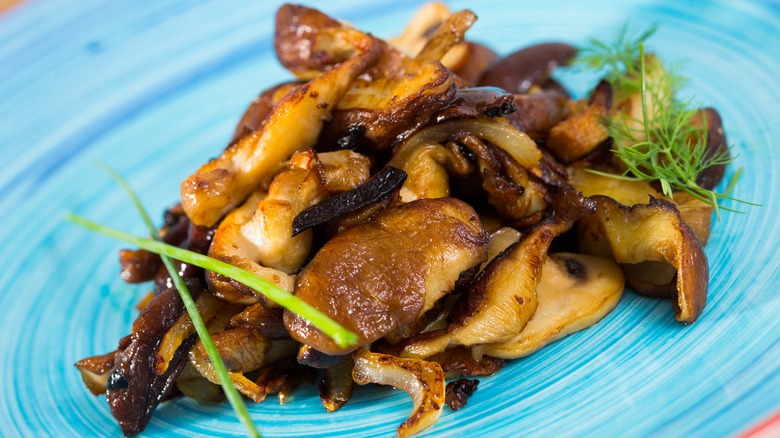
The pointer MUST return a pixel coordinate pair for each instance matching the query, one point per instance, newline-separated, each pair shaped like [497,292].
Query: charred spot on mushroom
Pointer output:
[457,393]
[575,269]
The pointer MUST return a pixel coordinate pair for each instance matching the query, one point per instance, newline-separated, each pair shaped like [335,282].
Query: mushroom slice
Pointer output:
[373,113]
[452,31]
[266,321]
[134,389]
[258,110]
[696,213]
[388,271]
[537,113]
[466,59]
[95,370]
[502,299]
[193,385]
[575,292]
[423,24]
[653,232]
[258,235]
[423,381]
[295,123]
[336,385]
[523,69]
[583,130]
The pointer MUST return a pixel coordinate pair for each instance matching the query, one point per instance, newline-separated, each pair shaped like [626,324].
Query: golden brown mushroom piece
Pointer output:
[695,213]
[583,130]
[258,235]
[653,232]
[373,113]
[501,301]
[575,292]
[423,381]
[466,59]
[293,124]
[387,272]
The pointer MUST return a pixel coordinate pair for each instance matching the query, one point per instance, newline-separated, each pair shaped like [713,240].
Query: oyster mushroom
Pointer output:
[583,130]
[373,113]
[293,124]
[695,213]
[466,59]
[523,69]
[653,232]
[575,291]
[258,235]
[501,301]
[388,271]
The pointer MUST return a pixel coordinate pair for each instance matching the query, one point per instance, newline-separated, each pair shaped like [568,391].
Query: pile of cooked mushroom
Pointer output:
[425,193]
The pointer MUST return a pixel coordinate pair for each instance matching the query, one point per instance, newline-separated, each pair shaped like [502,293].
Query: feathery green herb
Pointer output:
[664,144]
[618,59]
[232,394]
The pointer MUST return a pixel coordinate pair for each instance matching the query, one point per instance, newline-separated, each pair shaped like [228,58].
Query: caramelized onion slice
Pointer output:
[653,232]
[575,292]
[497,131]
[208,306]
[423,381]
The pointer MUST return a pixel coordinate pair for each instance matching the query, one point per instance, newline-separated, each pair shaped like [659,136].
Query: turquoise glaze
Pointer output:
[155,88]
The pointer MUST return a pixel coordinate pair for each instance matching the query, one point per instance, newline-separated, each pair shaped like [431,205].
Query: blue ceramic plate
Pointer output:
[155,88]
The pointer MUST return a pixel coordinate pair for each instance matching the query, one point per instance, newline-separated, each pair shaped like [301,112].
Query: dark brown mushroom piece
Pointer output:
[716,145]
[134,389]
[521,70]
[374,114]
[336,385]
[537,113]
[457,393]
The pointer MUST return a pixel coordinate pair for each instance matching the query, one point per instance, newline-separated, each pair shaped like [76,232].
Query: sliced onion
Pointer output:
[208,306]
[497,131]
[423,380]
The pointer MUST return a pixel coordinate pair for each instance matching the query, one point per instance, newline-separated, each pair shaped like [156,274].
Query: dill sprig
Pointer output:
[231,393]
[663,143]
[617,60]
